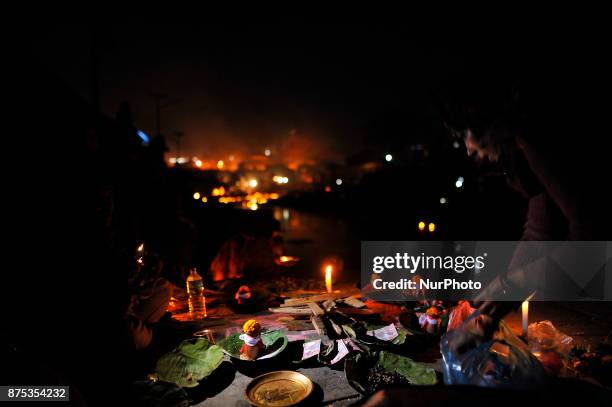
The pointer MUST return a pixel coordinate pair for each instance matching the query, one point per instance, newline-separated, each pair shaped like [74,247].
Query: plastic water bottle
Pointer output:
[195,291]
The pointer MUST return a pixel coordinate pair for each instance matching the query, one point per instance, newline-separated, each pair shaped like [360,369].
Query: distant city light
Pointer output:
[388,157]
[421,225]
[339,181]
[432,227]
[204,199]
[459,182]
[327,188]
[220,164]
[267,152]
[253,206]
[286,214]
[196,195]
[228,199]
[218,191]
[443,200]
[143,137]
[198,163]
[280,179]
[178,160]
[456,144]
[253,183]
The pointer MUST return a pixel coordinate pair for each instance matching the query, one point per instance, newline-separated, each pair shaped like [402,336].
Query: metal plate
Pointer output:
[278,389]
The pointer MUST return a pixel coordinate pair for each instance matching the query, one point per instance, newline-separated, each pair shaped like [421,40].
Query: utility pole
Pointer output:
[95,90]
[178,135]
[158,97]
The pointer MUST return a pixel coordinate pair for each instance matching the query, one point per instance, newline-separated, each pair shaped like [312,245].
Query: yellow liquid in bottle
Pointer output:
[195,291]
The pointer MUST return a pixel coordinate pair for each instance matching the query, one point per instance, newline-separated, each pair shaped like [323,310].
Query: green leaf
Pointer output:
[231,344]
[398,340]
[189,363]
[350,332]
[269,337]
[401,336]
[414,372]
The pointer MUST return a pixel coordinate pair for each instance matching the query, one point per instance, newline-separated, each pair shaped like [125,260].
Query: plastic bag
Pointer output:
[504,362]
[459,314]
[543,336]
[550,346]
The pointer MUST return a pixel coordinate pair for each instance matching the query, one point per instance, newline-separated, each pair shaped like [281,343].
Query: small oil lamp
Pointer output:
[286,260]
[243,294]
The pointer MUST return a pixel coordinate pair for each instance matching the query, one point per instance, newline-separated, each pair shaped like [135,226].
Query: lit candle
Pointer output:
[140,254]
[525,312]
[328,278]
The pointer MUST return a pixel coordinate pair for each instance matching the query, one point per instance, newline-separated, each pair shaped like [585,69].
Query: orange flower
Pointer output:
[251,327]
[433,312]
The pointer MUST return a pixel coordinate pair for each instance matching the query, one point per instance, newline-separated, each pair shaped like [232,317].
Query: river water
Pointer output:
[314,238]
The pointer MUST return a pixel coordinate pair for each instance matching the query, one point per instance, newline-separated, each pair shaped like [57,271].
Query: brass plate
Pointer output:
[278,389]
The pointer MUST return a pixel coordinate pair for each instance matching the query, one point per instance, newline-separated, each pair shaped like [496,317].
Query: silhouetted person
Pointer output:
[531,132]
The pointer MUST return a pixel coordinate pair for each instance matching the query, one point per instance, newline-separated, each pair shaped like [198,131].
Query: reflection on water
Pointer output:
[313,238]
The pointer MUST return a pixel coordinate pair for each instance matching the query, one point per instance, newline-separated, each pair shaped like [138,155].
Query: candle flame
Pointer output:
[525,318]
[328,278]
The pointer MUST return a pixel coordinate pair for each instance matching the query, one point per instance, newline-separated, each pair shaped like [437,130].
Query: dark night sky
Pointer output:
[236,89]
[241,88]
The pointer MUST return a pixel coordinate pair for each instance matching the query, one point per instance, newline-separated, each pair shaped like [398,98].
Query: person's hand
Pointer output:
[484,327]
[471,335]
